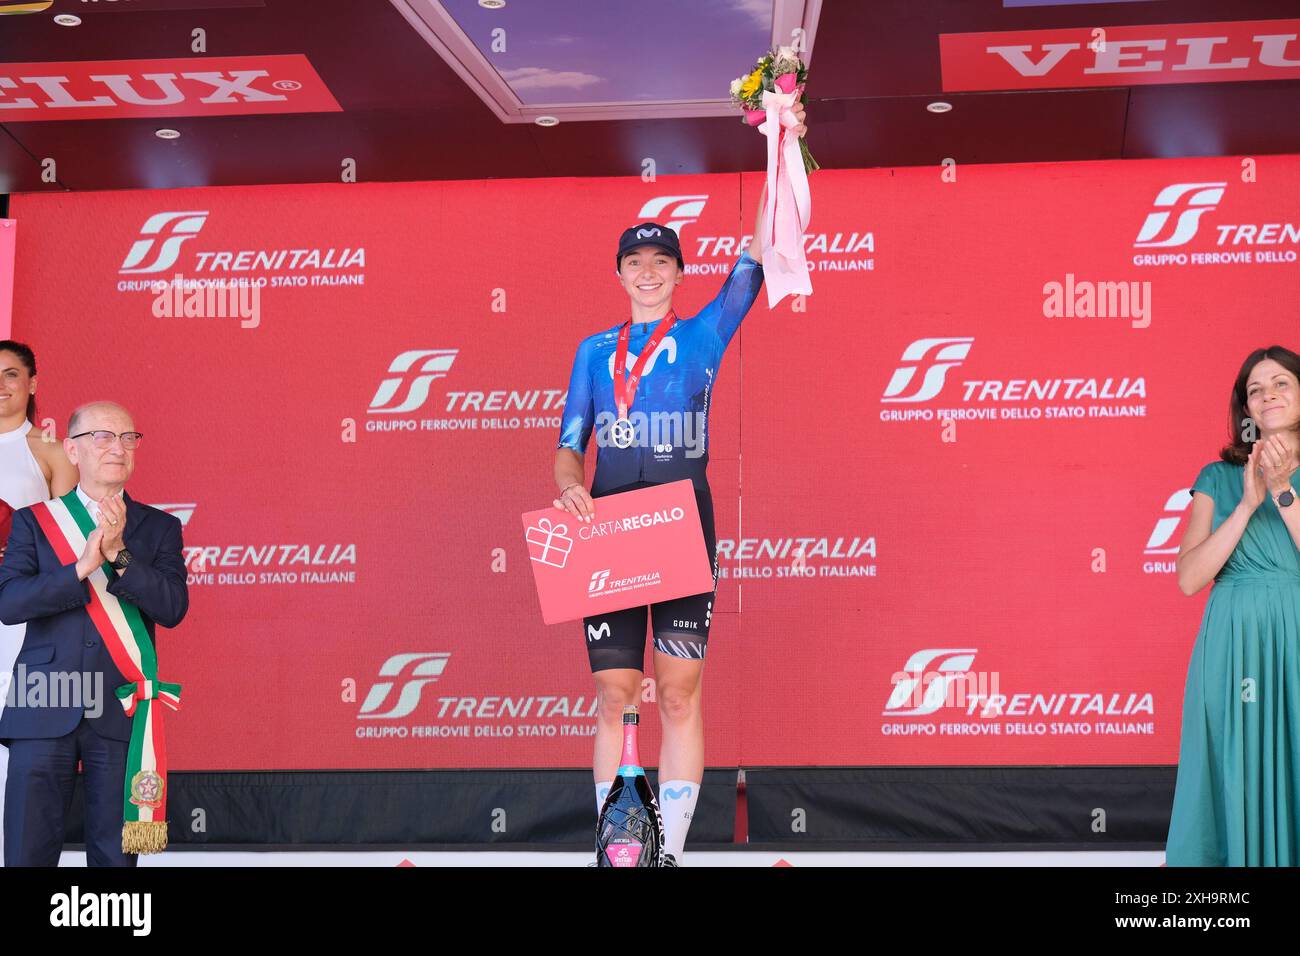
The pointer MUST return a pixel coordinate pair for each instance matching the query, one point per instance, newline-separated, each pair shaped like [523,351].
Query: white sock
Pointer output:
[602,791]
[676,804]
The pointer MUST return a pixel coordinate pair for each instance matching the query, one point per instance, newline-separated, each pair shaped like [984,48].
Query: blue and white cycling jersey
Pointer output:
[671,408]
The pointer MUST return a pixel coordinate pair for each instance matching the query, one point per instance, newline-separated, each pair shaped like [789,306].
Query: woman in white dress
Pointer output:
[32,469]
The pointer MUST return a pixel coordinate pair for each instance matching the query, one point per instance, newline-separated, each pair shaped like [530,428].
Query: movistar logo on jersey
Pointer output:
[666,347]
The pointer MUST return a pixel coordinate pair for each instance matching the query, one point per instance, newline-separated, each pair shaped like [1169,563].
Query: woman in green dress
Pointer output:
[1237,799]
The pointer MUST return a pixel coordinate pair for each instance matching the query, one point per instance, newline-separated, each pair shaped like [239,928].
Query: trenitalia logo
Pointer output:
[182,511]
[679,210]
[1175,221]
[412,672]
[936,356]
[169,230]
[1162,535]
[937,679]
[925,682]
[932,358]
[407,389]
[158,248]
[416,370]
[1185,204]
[1121,55]
[182,86]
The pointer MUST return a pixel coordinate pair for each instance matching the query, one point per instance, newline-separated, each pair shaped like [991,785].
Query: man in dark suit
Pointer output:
[63,648]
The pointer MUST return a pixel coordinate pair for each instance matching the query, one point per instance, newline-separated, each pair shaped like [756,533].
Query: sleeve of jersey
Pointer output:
[579,406]
[735,297]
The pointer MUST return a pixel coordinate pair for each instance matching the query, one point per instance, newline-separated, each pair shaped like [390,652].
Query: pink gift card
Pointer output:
[641,547]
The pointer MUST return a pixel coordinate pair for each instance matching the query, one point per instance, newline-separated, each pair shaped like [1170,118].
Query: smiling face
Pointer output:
[1273,397]
[16,384]
[102,466]
[649,274]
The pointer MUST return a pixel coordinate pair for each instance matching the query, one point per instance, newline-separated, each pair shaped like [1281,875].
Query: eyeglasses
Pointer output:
[104,439]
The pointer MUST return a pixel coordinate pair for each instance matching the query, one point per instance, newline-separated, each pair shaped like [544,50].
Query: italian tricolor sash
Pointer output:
[67,524]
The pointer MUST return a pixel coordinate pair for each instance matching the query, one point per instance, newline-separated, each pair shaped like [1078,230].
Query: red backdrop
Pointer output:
[362,597]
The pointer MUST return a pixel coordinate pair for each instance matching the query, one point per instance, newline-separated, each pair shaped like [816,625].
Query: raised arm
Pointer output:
[734,299]
[755,249]
[1202,554]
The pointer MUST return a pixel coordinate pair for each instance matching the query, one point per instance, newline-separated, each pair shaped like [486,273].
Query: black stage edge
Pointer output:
[553,809]
[887,808]
[896,808]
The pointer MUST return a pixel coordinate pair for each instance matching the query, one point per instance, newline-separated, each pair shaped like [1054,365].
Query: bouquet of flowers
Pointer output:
[780,72]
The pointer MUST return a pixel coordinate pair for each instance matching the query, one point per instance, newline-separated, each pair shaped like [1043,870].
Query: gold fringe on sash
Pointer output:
[144,837]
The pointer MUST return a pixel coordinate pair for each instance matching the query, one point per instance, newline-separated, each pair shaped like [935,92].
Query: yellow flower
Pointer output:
[753,83]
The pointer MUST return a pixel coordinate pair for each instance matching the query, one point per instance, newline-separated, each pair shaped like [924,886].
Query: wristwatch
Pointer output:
[1285,499]
[123,559]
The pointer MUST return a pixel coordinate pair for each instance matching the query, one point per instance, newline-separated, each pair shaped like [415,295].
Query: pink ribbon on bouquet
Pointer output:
[789,203]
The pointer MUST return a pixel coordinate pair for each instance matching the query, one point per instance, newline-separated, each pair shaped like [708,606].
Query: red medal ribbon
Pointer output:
[625,387]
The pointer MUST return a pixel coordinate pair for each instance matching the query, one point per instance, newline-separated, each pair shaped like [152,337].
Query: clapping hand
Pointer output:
[1278,461]
[112,522]
[92,556]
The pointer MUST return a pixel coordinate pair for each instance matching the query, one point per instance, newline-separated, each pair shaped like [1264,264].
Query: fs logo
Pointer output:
[1163,533]
[170,229]
[678,210]
[948,353]
[415,670]
[598,581]
[432,364]
[666,346]
[1190,201]
[953,662]
[184,511]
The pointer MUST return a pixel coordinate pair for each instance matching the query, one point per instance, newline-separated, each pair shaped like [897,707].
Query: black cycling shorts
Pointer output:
[680,626]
